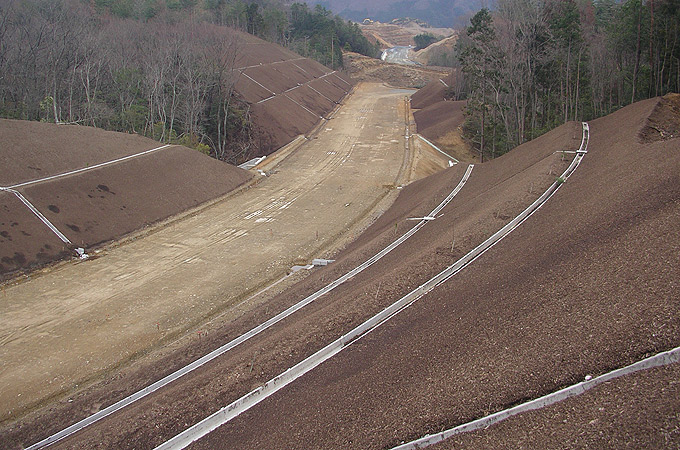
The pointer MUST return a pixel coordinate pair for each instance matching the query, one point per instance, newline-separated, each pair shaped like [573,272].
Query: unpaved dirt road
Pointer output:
[78,321]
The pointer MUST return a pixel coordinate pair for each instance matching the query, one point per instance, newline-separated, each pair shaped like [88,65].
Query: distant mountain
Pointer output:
[438,13]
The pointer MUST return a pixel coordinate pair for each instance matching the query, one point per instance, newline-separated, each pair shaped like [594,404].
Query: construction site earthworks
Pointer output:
[360,287]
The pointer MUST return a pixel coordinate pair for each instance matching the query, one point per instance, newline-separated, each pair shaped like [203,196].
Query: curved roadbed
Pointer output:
[251,399]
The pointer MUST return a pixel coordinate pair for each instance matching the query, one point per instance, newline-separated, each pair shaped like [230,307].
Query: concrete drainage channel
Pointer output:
[253,332]
[662,359]
[224,415]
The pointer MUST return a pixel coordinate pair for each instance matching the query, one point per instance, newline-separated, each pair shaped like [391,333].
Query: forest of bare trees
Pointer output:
[161,68]
[531,65]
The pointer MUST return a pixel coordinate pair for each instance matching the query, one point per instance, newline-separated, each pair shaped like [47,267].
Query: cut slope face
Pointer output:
[664,122]
[122,183]
[433,92]
[288,94]
[440,120]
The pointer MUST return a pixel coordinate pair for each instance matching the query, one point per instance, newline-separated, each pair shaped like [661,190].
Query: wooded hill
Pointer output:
[531,66]
[161,68]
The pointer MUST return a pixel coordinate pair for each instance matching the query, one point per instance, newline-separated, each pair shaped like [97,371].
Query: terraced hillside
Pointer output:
[88,186]
[288,94]
[440,120]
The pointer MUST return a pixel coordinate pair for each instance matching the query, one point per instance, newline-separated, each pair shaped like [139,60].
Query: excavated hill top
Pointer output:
[391,35]
[447,44]
[664,122]
[96,204]
[363,68]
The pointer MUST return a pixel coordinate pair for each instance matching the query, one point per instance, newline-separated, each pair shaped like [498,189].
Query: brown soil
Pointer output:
[80,323]
[441,122]
[664,122]
[432,93]
[288,94]
[99,205]
[587,284]
[390,35]
[362,68]
[623,413]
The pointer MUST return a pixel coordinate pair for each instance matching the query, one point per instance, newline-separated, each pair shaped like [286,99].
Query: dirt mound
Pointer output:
[441,124]
[362,68]
[433,92]
[664,122]
[101,202]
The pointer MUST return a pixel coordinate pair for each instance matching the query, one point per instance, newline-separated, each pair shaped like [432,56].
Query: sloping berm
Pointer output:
[121,183]
[440,120]
[288,94]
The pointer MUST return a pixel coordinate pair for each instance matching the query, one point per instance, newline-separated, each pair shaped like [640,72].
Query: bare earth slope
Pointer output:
[589,283]
[439,120]
[98,204]
[288,94]
[432,93]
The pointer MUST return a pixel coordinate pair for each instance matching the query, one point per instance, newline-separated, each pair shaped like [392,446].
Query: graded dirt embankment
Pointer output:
[440,120]
[288,94]
[82,321]
[101,202]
